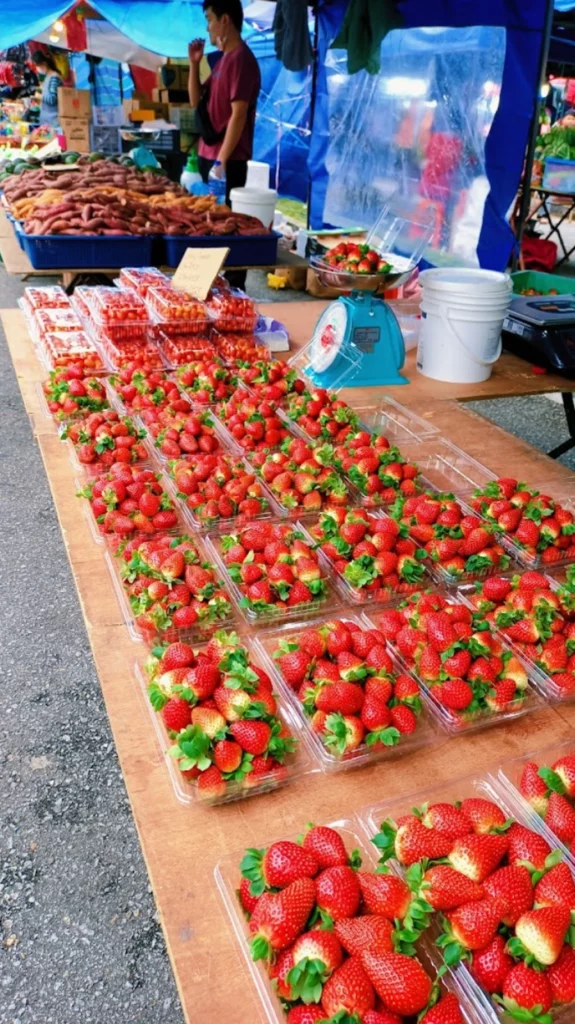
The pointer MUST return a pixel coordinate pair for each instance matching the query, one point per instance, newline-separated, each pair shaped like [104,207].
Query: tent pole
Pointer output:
[533,135]
[312,100]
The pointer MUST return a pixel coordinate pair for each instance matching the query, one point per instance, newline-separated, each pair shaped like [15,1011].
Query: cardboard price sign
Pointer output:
[198,270]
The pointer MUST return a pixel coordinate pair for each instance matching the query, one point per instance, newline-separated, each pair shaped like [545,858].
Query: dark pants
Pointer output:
[236,176]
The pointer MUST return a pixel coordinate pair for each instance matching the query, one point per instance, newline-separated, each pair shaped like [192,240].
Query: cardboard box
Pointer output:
[74,103]
[77,133]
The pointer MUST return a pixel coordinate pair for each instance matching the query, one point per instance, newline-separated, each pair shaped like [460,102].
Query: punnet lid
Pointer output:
[466,279]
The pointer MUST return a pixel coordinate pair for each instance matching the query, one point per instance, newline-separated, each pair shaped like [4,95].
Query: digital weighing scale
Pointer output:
[541,329]
[357,339]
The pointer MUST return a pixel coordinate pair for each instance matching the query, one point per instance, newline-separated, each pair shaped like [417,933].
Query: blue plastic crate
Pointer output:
[245,251]
[559,175]
[95,252]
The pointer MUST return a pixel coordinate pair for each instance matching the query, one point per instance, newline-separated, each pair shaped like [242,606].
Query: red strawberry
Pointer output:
[476,856]
[326,846]
[177,655]
[525,989]
[542,932]
[446,1011]
[280,917]
[447,819]
[211,784]
[491,965]
[316,955]
[556,888]
[369,932]
[399,981]
[527,847]
[483,815]
[305,1015]
[533,788]
[337,892]
[281,864]
[177,714]
[560,818]
[247,900]
[411,842]
[346,698]
[474,925]
[293,663]
[454,694]
[561,976]
[446,889]
[496,588]
[440,631]
[513,886]
[386,895]
[348,990]
[403,719]
[253,736]
[381,1017]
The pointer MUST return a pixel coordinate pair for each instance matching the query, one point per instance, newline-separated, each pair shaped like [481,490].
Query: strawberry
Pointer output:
[278,866]
[177,714]
[526,989]
[369,932]
[447,819]
[252,736]
[305,1015]
[338,892]
[411,842]
[178,655]
[348,991]
[455,694]
[541,932]
[496,588]
[342,733]
[326,846]
[446,889]
[345,698]
[247,900]
[472,926]
[316,955]
[293,662]
[527,847]
[556,888]
[483,815]
[565,769]
[403,719]
[400,981]
[279,918]
[385,895]
[560,818]
[514,887]
[476,856]
[381,1017]
[533,788]
[211,784]
[445,1011]
[491,965]
[561,976]
[440,631]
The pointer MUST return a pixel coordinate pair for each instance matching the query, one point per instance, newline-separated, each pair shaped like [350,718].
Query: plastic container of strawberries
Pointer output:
[317,605]
[177,313]
[143,350]
[202,630]
[225,442]
[91,469]
[114,540]
[141,279]
[298,764]
[52,297]
[450,720]
[489,787]
[57,319]
[542,680]
[228,877]
[183,348]
[428,732]
[350,495]
[120,312]
[231,311]
[219,524]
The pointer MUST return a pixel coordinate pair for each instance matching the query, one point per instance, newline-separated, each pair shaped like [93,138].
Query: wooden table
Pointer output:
[16,261]
[181,844]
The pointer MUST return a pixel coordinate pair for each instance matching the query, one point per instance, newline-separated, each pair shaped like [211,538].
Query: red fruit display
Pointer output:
[238,349]
[298,482]
[219,487]
[179,434]
[231,311]
[206,381]
[457,544]
[254,424]
[460,660]
[102,438]
[128,500]
[270,379]
[184,348]
[170,589]
[228,737]
[537,523]
[139,390]
[550,789]
[372,559]
[273,567]
[374,466]
[346,683]
[71,393]
[322,415]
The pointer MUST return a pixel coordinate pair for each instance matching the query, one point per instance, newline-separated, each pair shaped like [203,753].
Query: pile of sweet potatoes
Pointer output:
[102,172]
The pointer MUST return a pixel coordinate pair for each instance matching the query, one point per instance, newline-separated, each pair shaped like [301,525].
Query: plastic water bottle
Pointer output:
[217,185]
[190,175]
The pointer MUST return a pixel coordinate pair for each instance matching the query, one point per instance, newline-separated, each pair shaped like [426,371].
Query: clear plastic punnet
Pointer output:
[57,319]
[244,347]
[322,354]
[306,588]
[488,706]
[297,763]
[66,348]
[393,420]
[142,351]
[121,312]
[445,467]
[335,747]
[183,348]
[53,297]
[141,279]
[232,311]
[176,312]
[101,523]
[503,806]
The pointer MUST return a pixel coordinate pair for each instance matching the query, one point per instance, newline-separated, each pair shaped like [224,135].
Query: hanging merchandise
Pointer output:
[365,26]
[292,42]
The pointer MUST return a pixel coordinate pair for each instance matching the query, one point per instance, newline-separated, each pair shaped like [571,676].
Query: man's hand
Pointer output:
[219,170]
[196,51]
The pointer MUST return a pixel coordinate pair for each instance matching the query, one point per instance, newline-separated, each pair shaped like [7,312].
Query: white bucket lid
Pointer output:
[254,195]
[458,280]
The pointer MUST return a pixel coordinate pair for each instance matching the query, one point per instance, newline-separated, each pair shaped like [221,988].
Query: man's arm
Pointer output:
[236,125]
[195,54]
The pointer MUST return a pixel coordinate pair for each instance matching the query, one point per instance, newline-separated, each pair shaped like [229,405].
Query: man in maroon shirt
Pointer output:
[234,85]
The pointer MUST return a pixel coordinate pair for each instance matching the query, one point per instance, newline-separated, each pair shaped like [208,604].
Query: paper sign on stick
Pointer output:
[198,270]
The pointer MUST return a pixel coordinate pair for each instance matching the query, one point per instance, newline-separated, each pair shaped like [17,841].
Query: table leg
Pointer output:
[555,229]
[569,408]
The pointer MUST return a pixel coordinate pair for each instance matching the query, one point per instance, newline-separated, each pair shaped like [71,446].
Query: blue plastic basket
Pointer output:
[68,252]
[245,251]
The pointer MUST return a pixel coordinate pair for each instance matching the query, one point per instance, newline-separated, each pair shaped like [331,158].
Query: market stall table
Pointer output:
[182,844]
[541,197]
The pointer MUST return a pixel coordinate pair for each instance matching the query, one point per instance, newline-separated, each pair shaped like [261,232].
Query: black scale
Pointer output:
[541,329]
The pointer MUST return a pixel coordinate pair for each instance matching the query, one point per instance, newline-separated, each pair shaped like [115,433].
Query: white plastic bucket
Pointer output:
[257,202]
[462,313]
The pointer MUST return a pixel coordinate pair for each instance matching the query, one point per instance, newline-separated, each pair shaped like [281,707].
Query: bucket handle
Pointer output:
[474,358]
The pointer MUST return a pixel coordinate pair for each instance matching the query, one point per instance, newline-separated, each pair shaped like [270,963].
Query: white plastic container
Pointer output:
[256,202]
[258,174]
[462,313]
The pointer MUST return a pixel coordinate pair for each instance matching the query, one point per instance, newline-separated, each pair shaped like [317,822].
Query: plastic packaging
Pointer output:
[264,611]
[141,350]
[141,279]
[445,467]
[454,721]
[177,313]
[393,420]
[206,381]
[427,731]
[302,487]
[220,617]
[57,319]
[297,764]
[215,469]
[232,311]
[244,347]
[63,348]
[539,514]
[113,539]
[183,348]
[53,297]
[120,312]
[202,425]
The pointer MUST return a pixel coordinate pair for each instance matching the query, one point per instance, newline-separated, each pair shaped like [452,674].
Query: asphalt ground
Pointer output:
[79,934]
